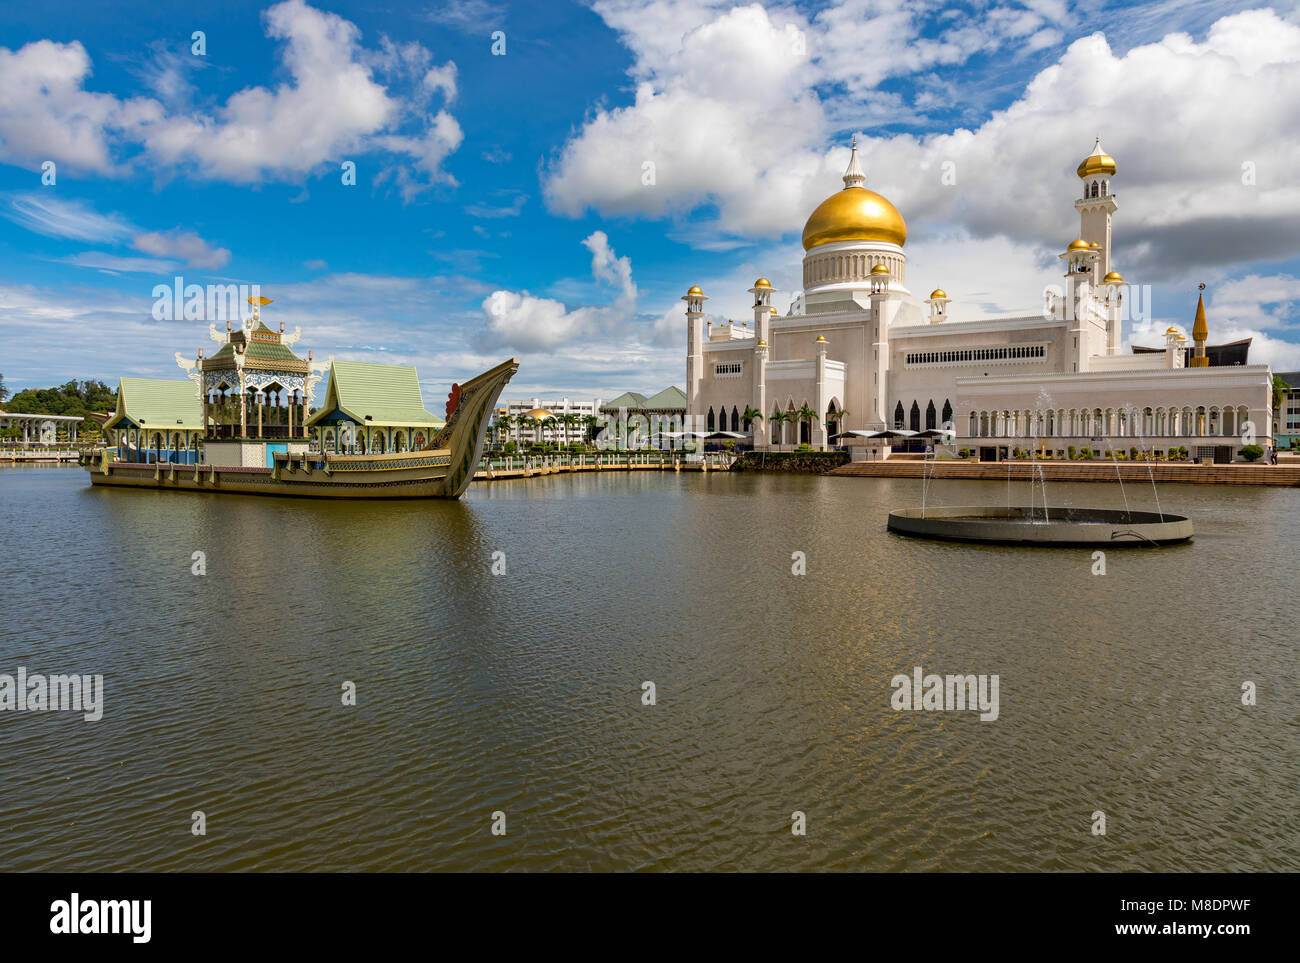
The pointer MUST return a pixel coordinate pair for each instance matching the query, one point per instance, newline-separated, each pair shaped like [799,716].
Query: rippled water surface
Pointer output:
[521,692]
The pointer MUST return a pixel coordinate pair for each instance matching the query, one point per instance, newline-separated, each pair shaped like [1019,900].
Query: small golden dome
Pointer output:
[537,414]
[854,214]
[695,290]
[1094,244]
[1078,244]
[1098,162]
[1114,277]
[822,338]
[880,269]
[1171,330]
[938,293]
[774,309]
[762,343]
[1182,338]
[762,283]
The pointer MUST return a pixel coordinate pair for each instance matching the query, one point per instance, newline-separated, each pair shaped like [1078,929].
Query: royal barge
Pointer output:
[243,423]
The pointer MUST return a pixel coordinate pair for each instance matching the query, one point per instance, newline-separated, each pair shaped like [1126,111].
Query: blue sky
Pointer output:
[501,204]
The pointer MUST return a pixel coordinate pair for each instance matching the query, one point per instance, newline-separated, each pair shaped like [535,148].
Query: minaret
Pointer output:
[1112,299]
[1200,331]
[938,301]
[694,299]
[883,309]
[1097,203]
[762,292]
[1080,258]
[818,437]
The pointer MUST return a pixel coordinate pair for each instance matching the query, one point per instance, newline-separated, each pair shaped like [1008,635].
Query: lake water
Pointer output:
[521,692]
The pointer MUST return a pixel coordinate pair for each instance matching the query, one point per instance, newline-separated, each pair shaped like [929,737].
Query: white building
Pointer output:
[856,340]
[530,419]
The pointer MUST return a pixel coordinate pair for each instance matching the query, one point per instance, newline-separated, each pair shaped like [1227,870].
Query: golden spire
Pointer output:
[1200,331]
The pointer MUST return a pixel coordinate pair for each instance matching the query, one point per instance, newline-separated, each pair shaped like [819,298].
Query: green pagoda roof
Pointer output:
[628,399]
[158,403]
[389,394]
[265,350]
[671,397]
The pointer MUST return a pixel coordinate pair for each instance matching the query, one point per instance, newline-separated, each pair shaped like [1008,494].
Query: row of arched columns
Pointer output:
[147,445]
[1199,421]
[373,441]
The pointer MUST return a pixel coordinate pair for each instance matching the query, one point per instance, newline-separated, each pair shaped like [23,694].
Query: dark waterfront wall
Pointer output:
[804,462]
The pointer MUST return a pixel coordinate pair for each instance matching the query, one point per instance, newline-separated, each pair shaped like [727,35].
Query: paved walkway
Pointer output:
[1099,471]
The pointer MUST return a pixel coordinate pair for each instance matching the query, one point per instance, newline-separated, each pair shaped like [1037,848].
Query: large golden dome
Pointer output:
[854,214]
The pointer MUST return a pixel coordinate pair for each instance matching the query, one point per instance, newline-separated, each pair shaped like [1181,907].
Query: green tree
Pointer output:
[1280,389]
[806,415]
[503,425]
[779,420]
[750,415]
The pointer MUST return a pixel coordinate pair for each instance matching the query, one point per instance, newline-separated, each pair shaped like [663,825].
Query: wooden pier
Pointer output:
[501,468]
[38,456]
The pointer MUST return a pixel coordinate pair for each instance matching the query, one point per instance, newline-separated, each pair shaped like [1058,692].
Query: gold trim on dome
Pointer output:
[854,214]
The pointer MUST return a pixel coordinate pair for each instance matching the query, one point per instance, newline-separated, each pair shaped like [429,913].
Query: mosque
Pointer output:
[857,353]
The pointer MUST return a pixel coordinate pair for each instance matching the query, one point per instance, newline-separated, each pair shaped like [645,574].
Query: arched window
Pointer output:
[915,421]
[711,422]
[974,424]
[735,419]
[898,415]
[931,416]
[947,412]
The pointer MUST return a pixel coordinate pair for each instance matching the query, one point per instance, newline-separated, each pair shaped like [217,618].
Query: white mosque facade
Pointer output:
[857,341]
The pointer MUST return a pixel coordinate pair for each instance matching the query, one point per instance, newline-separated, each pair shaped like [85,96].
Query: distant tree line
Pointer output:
[74,398]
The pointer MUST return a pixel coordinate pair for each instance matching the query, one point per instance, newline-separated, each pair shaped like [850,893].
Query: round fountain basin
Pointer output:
[1031,526]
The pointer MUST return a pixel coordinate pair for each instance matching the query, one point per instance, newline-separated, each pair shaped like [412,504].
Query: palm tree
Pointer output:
[750,415]
[504,424]
[570,421]
[778,421]
[806,415]
[589,423]
[836,417]
[1280,389]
